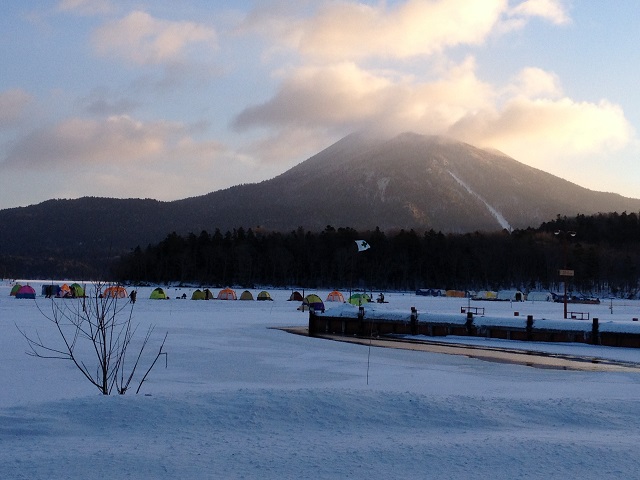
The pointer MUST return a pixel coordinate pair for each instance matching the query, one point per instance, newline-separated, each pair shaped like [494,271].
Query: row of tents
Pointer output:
[51,290]
[230,294]
[224,294]
[308,301]
[504,295]
[75,290]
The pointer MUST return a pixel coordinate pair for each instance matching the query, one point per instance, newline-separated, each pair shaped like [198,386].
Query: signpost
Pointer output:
[565,272]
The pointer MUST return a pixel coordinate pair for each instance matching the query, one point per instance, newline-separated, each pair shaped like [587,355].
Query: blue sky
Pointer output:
[152,100]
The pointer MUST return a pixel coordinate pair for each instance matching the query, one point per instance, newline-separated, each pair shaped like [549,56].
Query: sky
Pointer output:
[153,99]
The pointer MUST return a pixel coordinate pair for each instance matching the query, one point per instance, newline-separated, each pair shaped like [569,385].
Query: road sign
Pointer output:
[566,273]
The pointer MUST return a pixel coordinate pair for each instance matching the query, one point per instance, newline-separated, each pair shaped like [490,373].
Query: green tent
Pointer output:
[158,294]
[246,295]
[208,294]
[198,295]
[15,289]
[77,290]
[359,299]
[264,295]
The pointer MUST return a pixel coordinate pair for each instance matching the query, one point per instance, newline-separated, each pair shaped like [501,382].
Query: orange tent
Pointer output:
[335,296]
[65,291]
[227,294]
[115,292]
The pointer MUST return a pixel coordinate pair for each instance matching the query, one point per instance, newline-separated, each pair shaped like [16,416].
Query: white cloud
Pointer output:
[551,10]
[13,104]
[86,7]
[543,132]
[119,156]
[352,30]
[532,82]
[530,118]
[336,94]
[345,95]
[143,39]
[81,141]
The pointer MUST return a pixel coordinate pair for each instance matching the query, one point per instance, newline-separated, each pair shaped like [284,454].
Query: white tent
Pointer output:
[513,295]
[540,296]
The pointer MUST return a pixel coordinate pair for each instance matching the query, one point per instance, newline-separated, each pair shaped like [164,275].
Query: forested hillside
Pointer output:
[605,254]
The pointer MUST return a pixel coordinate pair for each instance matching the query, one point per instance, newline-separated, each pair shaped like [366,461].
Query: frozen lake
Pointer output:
[240,399]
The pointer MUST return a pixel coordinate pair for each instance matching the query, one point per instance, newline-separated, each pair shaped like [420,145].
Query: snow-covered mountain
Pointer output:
[363,181]
[408,181]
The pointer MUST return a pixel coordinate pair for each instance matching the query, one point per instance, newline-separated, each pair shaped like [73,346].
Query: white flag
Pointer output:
[362,245]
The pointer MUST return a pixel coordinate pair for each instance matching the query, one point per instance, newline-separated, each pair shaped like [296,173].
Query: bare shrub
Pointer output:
[95,333]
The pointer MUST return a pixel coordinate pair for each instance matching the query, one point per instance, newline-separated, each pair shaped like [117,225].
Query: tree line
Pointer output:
[604,254]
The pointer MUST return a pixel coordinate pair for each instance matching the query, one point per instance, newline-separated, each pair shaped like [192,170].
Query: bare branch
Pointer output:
[154,362]
[101,323]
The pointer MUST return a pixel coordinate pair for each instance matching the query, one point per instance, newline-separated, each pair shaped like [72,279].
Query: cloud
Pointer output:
[542,132]
[13,105]
[145,40]
[82,141]
[122,157]
[287,146]
[551,10]
[529,118]
[340,93]
[86,7]
[352,30]
[533,82]
[101,102]
[345,95]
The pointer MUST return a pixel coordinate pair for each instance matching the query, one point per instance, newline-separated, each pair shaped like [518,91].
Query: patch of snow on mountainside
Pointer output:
[497,215]
[382,186]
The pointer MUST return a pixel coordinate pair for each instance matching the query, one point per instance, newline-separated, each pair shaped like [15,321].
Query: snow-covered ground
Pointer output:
[240,399]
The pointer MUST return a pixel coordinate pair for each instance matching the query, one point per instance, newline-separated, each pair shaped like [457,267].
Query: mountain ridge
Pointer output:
[363,181]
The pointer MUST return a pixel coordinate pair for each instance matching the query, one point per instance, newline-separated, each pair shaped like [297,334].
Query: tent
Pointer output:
[64,291]
[208,294]
[296,297]
[26,292]
[15,289]
[312,301]
[540,296]
[513,295]
[264,295]
[335,296]
[50,290]
[246,295]
[158,294]
[77,290]
[455,293]
[115,292]
[486,295]
[227,294]
[198,295]
[359,299]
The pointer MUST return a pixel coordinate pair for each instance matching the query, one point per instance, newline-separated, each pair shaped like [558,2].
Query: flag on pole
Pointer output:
[362,245]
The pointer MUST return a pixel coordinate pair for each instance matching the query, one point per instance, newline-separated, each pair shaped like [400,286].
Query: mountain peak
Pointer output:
[363,181]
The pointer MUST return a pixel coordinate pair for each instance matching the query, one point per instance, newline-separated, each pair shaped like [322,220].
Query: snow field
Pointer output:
[240,399]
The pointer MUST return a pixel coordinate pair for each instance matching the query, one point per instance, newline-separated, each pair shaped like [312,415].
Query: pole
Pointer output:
[564,248]
[563,235]
[565,297]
